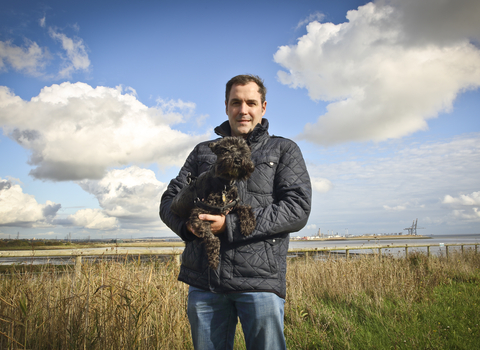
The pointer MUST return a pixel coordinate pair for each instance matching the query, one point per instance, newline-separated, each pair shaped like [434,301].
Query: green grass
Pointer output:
[449,321]
[415,303]
[365,303]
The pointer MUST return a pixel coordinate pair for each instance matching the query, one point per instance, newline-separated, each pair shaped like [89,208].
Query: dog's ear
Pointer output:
[213,146]
[218,147]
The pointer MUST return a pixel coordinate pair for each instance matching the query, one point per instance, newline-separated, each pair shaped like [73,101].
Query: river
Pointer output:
[439,240]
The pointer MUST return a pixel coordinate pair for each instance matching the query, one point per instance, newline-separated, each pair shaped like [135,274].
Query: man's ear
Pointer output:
[226,107]
[264,107]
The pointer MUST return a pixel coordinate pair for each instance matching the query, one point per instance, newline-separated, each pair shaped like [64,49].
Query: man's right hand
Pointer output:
[218,223]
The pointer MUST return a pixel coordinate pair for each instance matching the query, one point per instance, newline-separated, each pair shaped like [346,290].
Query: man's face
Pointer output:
[244,108]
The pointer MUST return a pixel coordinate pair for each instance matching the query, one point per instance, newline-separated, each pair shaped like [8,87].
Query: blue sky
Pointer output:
[100,103]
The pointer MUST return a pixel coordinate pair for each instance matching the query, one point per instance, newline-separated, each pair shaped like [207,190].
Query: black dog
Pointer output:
[215,192]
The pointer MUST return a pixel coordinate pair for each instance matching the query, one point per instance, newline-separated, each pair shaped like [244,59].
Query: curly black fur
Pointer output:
[214,190]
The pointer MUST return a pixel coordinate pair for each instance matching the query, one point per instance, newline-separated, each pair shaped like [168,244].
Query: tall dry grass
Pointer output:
[110,305]
[133,305]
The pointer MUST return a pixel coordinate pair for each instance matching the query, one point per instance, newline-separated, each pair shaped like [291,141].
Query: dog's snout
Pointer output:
[237,161]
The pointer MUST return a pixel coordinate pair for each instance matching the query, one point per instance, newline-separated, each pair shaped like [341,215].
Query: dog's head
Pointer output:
[233,158]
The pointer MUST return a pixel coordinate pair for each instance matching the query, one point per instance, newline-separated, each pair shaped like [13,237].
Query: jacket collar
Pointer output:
[259,132]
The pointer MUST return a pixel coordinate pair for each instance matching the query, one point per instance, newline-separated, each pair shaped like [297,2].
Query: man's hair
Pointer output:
[244,80]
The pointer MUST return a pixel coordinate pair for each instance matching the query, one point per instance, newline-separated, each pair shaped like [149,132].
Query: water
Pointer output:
[91,254]
[340,244]
[430,240]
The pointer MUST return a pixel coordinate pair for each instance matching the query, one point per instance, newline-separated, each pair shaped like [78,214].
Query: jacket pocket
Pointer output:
[263,177]
[256,259]
[194,256]
[270,249]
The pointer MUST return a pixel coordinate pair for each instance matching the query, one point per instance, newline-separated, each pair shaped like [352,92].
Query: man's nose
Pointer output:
[244,108]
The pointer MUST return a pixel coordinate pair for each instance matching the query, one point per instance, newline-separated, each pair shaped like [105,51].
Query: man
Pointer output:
[249,282]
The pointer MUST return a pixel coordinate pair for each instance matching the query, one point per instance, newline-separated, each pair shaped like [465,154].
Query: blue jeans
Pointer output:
[213,319]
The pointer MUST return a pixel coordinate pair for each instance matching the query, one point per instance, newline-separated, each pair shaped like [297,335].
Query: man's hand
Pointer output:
[218,224]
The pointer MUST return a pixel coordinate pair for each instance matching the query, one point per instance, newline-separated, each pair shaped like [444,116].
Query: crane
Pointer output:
[413,229]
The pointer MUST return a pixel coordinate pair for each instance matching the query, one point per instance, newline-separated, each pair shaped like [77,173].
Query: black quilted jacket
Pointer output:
[279,192]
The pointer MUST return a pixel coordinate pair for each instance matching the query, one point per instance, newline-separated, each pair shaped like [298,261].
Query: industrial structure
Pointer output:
[413,229]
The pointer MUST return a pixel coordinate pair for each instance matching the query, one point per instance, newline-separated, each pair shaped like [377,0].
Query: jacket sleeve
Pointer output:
[291,206]
[174,222]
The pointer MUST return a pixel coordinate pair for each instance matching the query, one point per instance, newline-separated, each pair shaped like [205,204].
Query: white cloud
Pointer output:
[317,16]
[132,195]
[389,187]
[443,22]
[465,206]
[76,54]
[382,78]
[129,200]
[176,111]
[30,59]
[21,209]
[321,185]
[470,215]
[75,131]
[94,219]
[396,208]
[463,199]
[50,233]
[200,121]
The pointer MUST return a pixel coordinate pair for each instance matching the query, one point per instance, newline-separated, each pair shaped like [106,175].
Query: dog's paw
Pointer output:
[212,247]
[247,220]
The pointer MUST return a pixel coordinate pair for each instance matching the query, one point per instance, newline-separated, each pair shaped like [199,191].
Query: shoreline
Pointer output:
[364,237]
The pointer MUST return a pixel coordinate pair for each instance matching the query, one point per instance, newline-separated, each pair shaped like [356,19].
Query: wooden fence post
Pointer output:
[428,251]
[78,265]
[347,253]
[178,259]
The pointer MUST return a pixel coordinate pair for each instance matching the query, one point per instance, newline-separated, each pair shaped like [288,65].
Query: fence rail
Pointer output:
[378,248]
[77,254]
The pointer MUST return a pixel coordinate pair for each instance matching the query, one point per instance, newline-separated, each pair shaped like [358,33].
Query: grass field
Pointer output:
[365,303]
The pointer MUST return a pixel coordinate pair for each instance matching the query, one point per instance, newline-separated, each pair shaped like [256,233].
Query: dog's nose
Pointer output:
[237,162]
